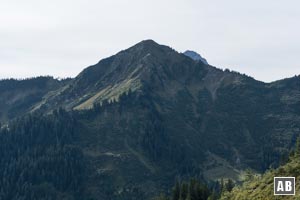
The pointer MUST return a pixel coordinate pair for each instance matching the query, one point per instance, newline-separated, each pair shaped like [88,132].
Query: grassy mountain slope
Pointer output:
[262,187]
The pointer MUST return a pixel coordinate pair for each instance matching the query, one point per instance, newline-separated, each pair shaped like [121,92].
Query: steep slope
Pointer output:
[146,63]
[262,186]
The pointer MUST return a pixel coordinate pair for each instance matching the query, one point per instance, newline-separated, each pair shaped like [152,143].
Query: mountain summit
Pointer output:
[195,56]
[145,65]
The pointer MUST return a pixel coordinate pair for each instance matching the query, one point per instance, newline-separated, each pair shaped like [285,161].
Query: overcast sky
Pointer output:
[61,37]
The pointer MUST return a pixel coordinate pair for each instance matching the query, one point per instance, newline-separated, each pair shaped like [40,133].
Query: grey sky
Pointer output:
[61,37]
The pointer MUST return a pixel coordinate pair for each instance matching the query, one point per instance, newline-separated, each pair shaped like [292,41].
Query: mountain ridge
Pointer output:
[151,113]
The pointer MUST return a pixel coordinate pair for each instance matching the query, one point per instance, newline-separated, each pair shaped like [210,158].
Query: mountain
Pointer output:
[149,114]
[17,97]
[195,56]
[146,64]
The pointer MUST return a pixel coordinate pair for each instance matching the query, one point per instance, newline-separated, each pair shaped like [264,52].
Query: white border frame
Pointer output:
[285,194]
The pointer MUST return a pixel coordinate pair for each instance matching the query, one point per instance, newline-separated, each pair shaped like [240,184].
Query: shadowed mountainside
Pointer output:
[149,114]
[18,97]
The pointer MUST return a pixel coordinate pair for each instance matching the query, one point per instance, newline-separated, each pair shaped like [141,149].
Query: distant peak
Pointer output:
[195,56]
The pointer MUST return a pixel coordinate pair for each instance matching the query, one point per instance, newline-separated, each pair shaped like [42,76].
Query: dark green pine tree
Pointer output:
[176,191]
[183,191]
[222,185]
[229,185]
[192,195]
[161,197]
[297,150]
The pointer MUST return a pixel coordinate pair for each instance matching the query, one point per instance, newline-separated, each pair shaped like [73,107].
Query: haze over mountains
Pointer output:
[150,114]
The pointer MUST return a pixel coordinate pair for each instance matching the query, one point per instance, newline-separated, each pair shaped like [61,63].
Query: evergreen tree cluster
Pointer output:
[196,190]
[193,190]
[38,160]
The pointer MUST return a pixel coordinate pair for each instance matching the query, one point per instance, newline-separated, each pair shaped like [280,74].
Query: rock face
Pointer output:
[149,114]
[195,56]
